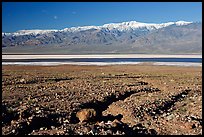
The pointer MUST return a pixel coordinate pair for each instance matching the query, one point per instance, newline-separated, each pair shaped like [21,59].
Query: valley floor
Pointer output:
[128,99]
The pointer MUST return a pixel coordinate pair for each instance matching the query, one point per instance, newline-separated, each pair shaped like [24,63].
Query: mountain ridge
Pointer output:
[130,24]
[125,37]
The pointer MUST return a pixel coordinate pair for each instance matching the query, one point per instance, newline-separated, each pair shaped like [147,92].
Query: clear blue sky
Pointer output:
[59,15]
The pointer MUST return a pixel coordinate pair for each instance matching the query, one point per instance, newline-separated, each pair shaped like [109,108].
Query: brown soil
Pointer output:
[128,100]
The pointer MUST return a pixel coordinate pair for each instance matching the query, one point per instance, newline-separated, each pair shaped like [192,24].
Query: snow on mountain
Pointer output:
[127,26]
[138,25]
[124,26]
[29,32]
[74,29]
[180,23]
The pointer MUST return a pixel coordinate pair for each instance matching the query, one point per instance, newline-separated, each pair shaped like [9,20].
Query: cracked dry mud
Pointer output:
[128,100]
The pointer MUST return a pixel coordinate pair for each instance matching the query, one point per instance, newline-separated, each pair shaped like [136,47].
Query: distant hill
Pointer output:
[127,37]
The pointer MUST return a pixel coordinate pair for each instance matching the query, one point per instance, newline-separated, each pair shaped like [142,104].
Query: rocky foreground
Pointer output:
[101,100]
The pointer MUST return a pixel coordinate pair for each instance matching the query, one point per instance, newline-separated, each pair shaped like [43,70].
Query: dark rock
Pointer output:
[193,126]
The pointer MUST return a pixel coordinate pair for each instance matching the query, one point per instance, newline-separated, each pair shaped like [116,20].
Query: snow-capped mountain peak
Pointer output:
[136,25]
[29,32]
[124,26]
[182,23]
[34,32]
[127,26]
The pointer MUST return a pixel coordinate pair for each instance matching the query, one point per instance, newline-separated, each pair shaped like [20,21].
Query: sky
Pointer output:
[59,15]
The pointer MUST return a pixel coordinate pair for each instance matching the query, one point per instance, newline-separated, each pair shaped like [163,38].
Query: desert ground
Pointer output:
[101,100]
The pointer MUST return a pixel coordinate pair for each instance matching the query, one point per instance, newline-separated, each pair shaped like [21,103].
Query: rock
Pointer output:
[109,122]
[164,115]
[110,132]
[87,129]
[22,80]
[37,108]
[66,121]
[28,123]
[170,117]
[86,114]
[30,118]
[117,133]
[13,131]
[193,126]
[102,124]
[13,122]
[116,123]
[152,132]
[177,116]
[41,128]
[39,111]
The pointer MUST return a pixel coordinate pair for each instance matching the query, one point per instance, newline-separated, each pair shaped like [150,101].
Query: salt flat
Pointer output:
[98,56]
[103,63]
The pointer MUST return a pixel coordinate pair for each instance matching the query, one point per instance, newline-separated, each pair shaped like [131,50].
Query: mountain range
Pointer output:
[179,37]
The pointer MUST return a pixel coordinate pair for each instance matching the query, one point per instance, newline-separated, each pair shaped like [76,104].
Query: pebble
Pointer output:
[41,128]
[109,132]
[183,95]
[177,116]
[102,124]
[164,115]
[116,123]
[87,129]
[22,80]
[13,131]
[91,132]
[13,122]
[66,121]
[153,112]
[193,126]
[37,108]
[39,111]
[109,122]
[117,133]
[170,117]
[30,118]
[28,122]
